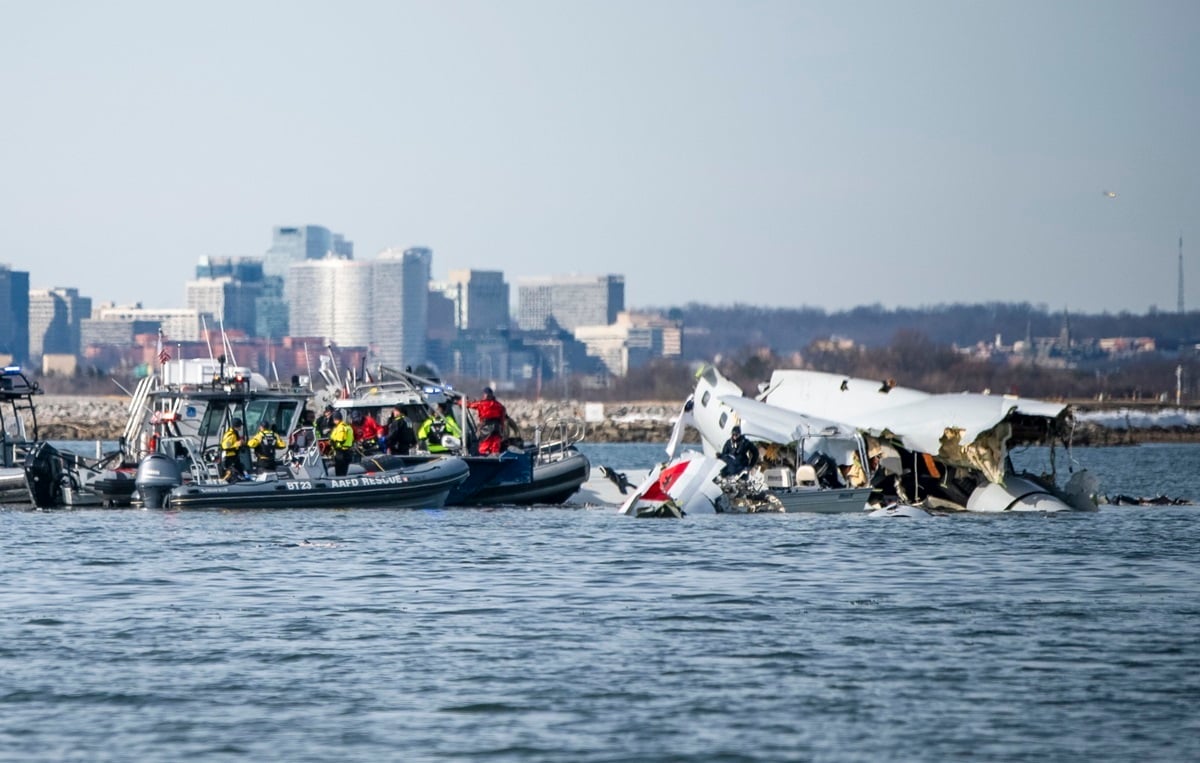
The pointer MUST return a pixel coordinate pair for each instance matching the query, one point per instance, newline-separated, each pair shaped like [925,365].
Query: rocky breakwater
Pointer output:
[81,417]
[605,422]
[65,417]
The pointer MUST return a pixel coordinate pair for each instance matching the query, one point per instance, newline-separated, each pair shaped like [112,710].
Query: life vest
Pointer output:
[268,441]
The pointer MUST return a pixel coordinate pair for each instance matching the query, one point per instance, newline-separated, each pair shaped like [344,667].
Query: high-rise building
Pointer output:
[291,244]
[631,341]
[179,324]
[296,243]
[14,315]
[381,303]
[569,301]
[247,269]
[225,302]
[55,316]
[401,305]
[331,298]
[480,297]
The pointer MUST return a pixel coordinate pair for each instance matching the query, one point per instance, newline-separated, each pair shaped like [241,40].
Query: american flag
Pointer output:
[163,355]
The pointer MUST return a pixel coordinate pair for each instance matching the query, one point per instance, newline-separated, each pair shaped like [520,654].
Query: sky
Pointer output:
[784,154]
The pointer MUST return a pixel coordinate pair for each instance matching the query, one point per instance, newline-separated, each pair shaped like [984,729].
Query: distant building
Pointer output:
[400,306]
[569,301]
[178,324]
[55,318]
[291,244]
[440,318]
[382,303]
[331,298]
[631,341]
[14,315]
[480,297]
[246,269]
[109,331]
[225,301]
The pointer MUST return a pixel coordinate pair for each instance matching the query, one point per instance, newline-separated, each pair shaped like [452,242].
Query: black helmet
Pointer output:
[487,392]
[237,422]
[735,430]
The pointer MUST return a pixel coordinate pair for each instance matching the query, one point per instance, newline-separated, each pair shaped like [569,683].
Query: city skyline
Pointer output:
[915,154]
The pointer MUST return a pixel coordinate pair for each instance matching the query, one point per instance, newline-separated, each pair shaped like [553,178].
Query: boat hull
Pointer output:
[550,483]
[12,486]
[822,500]
[512,478]
[421,486]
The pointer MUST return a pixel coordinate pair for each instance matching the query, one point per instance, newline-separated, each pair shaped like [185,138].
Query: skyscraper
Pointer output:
[481,299]
[14,314]
[296,243]
[291,244]
[570,300]
[55,316]
[331,298]
[401,305]
[381,303]
[227,289]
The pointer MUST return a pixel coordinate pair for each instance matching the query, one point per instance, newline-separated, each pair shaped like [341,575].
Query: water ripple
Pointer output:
[568,634]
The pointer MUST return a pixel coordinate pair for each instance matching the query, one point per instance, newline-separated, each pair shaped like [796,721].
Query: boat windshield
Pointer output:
[281,415]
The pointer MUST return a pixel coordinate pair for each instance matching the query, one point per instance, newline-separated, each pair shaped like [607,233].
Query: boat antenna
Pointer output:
[308,366]
[227,345]
[207,337]
[337,374]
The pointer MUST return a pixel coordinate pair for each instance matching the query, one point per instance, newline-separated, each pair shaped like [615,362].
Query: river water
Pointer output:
[573,634]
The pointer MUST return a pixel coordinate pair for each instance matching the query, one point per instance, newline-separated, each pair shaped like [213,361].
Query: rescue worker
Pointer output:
[400,436]
[264,445]
[342,441]
[434,428]
[492,419]
[324,423]
[305,434]
[367,432]
[739,454]
[232,443]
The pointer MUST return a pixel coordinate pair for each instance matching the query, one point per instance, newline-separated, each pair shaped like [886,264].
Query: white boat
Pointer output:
[182,410]
[18,432]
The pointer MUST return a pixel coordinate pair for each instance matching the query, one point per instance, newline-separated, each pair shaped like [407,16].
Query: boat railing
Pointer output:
[309,464]
[187,452]
[555,438]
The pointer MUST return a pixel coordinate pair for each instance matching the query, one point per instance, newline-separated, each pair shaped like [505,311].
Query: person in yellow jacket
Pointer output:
[232,444]
[434,428]
[264,445]
[342,440]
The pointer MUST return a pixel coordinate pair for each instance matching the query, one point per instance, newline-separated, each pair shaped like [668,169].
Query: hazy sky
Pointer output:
[830,154]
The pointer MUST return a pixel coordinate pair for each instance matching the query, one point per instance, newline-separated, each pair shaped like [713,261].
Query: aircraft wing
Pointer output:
[918,419]
[763,421]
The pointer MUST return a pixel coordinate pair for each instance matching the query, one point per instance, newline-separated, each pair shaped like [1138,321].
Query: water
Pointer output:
[571,634]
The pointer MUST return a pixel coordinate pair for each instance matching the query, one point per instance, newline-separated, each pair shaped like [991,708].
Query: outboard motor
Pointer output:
[157,474]
[44,475]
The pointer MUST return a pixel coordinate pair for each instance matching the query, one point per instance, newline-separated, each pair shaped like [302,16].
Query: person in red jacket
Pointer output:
[492,419]
[367,431]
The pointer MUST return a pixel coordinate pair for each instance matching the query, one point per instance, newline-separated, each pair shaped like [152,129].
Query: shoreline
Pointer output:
[102,417]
